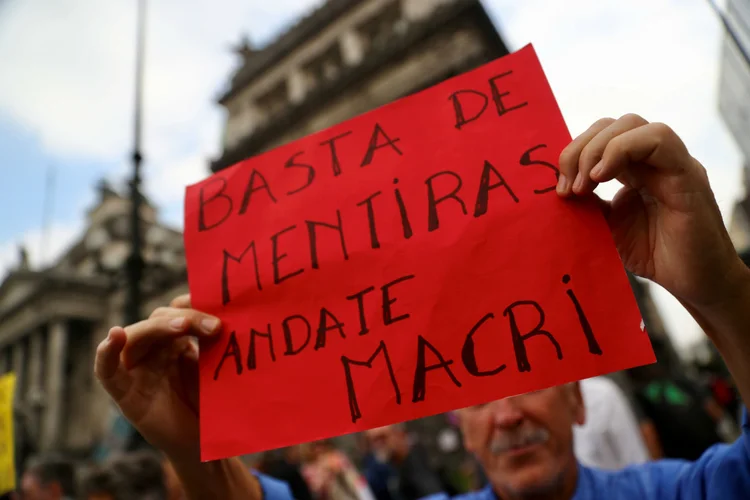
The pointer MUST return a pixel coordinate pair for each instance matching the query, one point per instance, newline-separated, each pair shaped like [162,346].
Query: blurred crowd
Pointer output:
[659,415]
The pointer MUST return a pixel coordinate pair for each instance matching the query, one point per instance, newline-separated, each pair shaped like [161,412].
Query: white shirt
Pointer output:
[610,437]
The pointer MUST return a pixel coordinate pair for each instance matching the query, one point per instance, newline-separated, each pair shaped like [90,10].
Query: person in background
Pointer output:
[24,446]
[98,483]
[412,476]
[610,437]
[131,476]
[666,226]
[143,473]
[331,476]
[686,418]
[48,477]
[285,466]
[378,473]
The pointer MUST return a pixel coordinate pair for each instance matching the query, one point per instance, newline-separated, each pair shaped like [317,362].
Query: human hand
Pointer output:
[150,369]
[664,220]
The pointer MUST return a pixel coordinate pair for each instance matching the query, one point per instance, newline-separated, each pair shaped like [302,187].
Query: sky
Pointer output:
[67,83]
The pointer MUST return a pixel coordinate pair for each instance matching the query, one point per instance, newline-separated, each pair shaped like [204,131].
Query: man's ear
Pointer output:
[577,403]
[462,424]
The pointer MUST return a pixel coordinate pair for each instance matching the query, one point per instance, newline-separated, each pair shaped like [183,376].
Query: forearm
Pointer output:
[228,479]
[727,324]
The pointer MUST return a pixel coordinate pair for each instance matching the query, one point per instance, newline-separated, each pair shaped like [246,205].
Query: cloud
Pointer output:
[72,83]
[69,67]
[43,247]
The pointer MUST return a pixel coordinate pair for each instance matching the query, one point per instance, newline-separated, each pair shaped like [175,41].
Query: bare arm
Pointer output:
[727,324]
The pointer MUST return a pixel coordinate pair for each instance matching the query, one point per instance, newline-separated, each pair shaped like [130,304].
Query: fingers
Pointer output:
[592,153]
[181,302]
[609,147]
[654,144]
[571,154]
[166,325]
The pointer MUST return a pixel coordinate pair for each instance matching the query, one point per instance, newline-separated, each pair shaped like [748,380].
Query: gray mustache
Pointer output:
[518,439]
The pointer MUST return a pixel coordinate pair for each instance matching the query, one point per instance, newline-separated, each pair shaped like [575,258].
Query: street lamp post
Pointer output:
[135,262]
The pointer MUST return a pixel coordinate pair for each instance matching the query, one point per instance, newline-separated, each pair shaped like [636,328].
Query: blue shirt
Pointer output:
[722,473]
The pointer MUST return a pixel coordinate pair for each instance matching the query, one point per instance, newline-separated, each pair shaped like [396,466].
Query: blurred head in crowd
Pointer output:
[98,483]
[293,454]
[389,443]
[648,373]
[48,478]
[140,475]
[317,449]
[525,443]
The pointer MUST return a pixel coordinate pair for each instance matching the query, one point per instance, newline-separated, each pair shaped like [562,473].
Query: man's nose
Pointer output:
[507,413]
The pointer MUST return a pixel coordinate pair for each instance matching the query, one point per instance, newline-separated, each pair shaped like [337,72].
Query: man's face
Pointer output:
[387,442]
[380,442]
[525,443]
[33,489]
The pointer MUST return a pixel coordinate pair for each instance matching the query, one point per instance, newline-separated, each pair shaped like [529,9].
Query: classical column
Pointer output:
[352,46]
[57,350]
[19,365]
[35,389]
[297,84]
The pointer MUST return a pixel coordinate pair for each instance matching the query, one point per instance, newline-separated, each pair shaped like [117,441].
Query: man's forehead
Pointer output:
[564,388]
[378,431]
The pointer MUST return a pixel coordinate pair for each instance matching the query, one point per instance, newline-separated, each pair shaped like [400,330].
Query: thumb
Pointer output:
[107,365]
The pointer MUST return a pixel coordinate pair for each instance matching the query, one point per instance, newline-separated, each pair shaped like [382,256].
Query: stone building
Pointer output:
[52,319]
[345,58]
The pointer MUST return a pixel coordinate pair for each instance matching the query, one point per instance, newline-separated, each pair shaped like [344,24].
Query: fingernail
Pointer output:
[208,325]
[578,184]
[563,184]
[597,168]
[177,324]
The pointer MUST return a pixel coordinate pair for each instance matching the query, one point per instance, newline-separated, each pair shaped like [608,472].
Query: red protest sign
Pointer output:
[407,262]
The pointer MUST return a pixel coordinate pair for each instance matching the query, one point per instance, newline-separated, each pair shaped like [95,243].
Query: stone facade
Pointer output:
[51,321]
[347,58]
